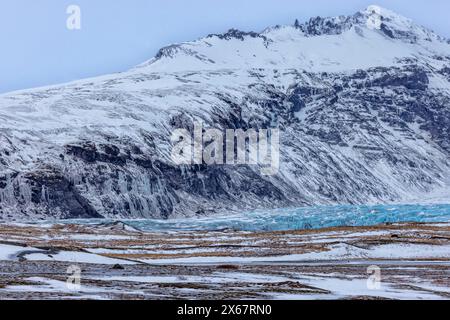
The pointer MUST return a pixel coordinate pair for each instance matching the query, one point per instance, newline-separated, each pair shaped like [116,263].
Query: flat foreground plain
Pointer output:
[117,261]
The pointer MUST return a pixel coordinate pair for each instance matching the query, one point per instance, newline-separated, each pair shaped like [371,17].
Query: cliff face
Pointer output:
[364,115]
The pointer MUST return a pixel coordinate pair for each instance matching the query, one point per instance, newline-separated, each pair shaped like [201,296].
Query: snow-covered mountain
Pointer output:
[362,102]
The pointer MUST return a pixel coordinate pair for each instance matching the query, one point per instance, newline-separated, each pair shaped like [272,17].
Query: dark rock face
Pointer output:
[320,26]
[88,152]
[237,34]
[51,189]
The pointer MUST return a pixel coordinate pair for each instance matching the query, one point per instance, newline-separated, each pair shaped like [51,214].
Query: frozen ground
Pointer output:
[118,261]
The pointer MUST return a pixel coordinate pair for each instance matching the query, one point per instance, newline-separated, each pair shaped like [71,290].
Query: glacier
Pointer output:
[289,219]
[364,116]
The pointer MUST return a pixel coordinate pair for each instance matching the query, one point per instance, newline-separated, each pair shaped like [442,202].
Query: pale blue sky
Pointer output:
[37,49]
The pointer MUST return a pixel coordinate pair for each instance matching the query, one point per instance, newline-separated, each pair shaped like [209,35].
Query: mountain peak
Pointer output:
[376,9]
[381,36]
[374,17]
[374,12]
[395,25]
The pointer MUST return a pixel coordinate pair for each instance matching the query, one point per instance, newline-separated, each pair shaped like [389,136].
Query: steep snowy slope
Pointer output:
[364,111]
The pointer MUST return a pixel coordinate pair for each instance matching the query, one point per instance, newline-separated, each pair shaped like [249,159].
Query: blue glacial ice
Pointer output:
[300,218]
